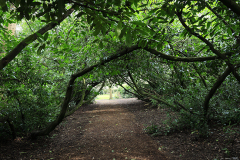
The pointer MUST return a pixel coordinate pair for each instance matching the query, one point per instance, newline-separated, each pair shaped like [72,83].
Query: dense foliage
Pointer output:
[181,55]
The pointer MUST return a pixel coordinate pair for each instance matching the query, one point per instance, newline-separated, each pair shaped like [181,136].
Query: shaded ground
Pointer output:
[104,131]
[114,129]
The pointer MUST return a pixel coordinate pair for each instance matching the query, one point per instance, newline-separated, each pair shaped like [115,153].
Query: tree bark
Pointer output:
[216,85]
[110,93]
[184,59]
[81,101]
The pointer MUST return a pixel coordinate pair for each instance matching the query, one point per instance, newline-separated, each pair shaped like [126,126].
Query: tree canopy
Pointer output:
[182,55]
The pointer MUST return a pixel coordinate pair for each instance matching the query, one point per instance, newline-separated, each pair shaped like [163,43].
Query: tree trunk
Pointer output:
[216,85]
[110,93]
[12,128]
[81,101]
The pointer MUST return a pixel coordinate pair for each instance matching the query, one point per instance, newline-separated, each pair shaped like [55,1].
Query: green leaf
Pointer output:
[96,40]
[184,33]
[39,50]
[129,38]
[45,36]
[43,46]
[171,21]
[39,35]
[163,31]
[159,46]
[212,32]
[208,25]
[118,29]
[89,19]
[138,23]
[103,30]
[80,14]
[143,5]
[39,39]
[203,21]
[101,45]
[37,44]
[123,32]
[142,43]
[135,3]
[96,32]
[229,31]
[143,32]
[147,17]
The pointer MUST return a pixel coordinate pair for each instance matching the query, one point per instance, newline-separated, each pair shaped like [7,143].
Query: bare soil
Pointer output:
[114,129]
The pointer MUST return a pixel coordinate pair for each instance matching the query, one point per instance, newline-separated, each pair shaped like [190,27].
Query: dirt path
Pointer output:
[107,130]
[114,133]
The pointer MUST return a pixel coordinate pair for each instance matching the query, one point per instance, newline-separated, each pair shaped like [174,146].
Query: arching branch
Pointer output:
[183,59]
[69,90]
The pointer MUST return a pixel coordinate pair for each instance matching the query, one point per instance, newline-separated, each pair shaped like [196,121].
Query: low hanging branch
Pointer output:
[118,83]
[184,59]
[128,90]
[144,93]
[69,90]
[179,104]
[156,97]
[128,83]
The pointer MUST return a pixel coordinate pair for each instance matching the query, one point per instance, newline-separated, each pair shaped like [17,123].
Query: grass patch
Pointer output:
[104,96]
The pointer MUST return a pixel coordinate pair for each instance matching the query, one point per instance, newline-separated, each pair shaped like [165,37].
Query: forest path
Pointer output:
[107,130]
[113,133]
[113,129]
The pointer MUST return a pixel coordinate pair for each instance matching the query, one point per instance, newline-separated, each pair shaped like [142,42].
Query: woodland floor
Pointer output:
[114,129]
